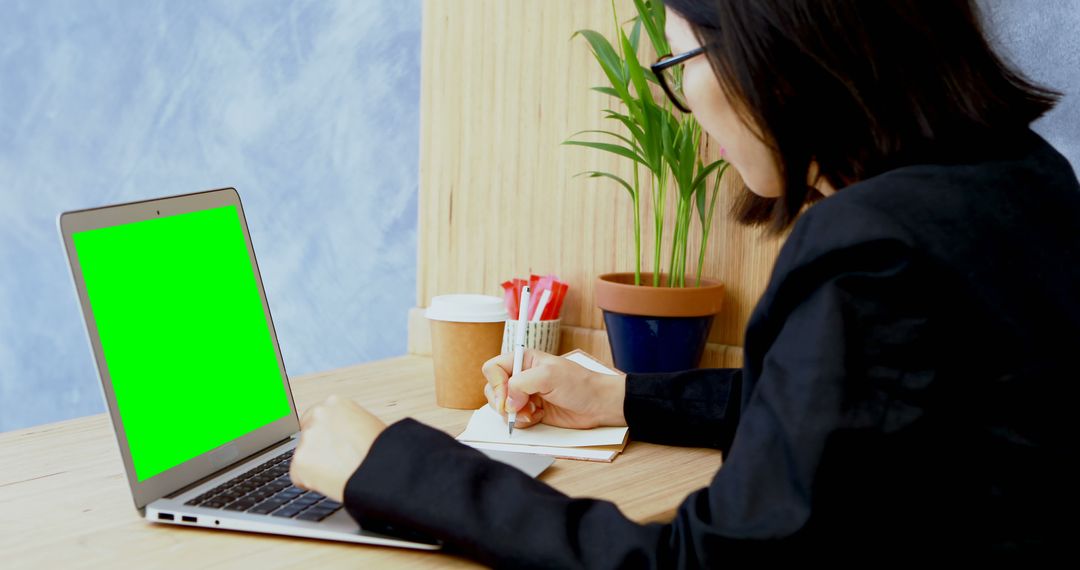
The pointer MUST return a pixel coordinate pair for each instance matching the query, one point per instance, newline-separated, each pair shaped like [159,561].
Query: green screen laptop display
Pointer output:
[185,337]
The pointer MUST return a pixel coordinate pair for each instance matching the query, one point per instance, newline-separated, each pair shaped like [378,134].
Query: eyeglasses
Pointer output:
[669,72]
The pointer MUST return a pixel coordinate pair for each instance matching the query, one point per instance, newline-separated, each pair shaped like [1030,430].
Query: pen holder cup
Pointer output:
[541,335]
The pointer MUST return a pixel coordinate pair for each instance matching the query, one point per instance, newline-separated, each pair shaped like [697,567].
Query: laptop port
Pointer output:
[186,518]
[165,517]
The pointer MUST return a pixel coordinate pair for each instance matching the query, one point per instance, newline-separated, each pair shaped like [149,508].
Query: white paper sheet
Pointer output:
[488,426]
[584,360]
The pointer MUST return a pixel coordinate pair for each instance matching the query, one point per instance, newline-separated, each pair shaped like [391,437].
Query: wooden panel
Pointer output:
[503,85]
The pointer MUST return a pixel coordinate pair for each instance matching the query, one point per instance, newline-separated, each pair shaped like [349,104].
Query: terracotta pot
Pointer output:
[657,329]
[616,292]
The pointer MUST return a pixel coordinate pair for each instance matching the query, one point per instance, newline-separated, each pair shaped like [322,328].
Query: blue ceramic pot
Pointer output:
[656,344]
[657,329]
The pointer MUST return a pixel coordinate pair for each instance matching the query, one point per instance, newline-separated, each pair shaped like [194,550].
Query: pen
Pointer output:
[519,348]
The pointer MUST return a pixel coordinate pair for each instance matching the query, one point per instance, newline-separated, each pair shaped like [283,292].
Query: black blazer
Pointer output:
[907,386]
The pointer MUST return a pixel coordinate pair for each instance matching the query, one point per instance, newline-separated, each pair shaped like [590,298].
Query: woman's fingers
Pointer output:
[497,370]
[494,398]
[522,393]
[527,419]
[497,373]
[530,411]
[530,414]
[534,381]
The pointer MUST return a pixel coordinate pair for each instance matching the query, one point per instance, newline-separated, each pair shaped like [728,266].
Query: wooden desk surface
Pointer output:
[65,503]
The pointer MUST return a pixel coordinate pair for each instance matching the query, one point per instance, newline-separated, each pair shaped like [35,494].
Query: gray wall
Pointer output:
[308,108]
[1042,38]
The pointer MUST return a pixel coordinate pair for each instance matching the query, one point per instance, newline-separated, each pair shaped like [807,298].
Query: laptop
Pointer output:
[192,374]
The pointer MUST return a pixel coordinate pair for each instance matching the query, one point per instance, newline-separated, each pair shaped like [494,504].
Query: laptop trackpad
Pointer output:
[529,463]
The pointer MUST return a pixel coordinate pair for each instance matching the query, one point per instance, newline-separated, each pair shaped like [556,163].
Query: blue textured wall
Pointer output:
[308,108]
[1042,38]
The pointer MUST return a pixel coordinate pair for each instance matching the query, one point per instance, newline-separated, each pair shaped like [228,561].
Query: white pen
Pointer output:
[519,348]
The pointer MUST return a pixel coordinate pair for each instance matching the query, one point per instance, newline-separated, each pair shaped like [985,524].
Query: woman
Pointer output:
[904,387]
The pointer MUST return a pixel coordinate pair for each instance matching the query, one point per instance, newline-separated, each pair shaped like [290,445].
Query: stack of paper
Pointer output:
[487,430]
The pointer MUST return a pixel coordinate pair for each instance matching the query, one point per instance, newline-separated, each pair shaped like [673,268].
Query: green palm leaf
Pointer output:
[608,147]
[632,144]
[601,174]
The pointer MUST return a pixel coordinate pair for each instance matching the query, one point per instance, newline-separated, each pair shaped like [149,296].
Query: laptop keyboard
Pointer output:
[267,490]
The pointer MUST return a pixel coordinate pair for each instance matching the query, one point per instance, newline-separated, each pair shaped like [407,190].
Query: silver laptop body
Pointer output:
[177,494]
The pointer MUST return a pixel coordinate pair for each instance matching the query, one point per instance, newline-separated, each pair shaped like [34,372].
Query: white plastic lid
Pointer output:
[467,309]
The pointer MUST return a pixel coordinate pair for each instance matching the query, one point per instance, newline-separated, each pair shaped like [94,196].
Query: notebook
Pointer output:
[487,430]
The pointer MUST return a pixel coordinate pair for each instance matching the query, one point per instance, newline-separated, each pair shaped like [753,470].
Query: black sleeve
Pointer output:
[420,478]
[759,504]
[696,408]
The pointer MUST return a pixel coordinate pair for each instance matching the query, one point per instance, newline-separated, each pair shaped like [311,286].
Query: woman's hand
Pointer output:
[555,391]
[335,437]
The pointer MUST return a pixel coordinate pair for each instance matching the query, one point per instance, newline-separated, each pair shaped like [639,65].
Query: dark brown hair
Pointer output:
[859,86]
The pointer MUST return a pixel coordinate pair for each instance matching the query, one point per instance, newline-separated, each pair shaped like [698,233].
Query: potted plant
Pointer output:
[656,322]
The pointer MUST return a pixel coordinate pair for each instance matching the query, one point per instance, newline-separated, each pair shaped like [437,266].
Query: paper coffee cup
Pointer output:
[466,331]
